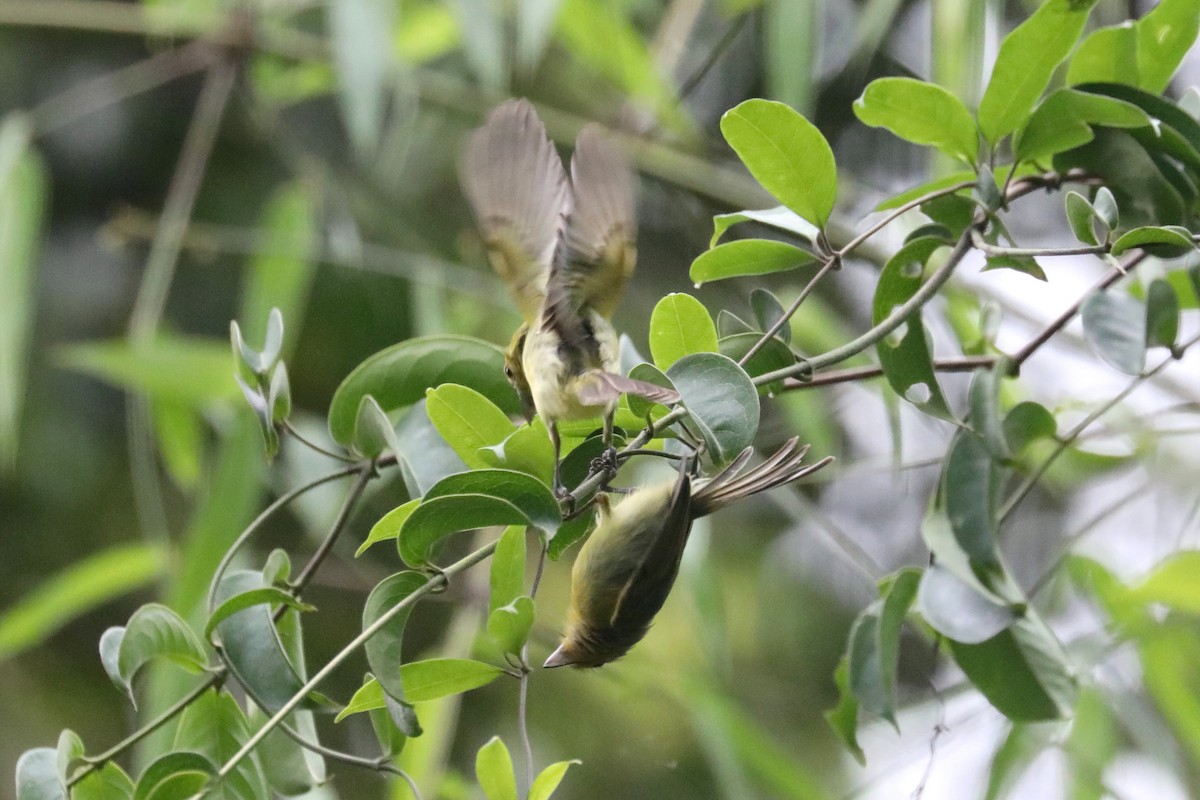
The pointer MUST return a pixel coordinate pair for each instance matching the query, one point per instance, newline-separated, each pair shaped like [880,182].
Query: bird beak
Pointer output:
[559,658]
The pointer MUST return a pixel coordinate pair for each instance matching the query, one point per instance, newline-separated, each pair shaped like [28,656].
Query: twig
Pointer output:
[299,437]
[523,694]
[831,263]
[380,764]
[896,213]
[365,473]
[990,249]
[855,374]
[735,27]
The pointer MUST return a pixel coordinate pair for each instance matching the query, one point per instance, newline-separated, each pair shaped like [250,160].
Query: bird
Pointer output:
[626,568]
[565,248]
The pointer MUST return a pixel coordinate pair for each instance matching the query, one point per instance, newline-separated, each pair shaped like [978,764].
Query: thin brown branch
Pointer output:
[854,374]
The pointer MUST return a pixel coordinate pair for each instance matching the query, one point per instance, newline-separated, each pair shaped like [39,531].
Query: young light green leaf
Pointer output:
[1106,54]
[79,588]
[1114,324]
[548,780]
[384,648]
[1164,37]
[1027,59]
[509,625]
[747,257]
[494,770]
[467,420]
[388,527]
[507,579]
[1079,216]
[267,595]
[843,718]
[1168,241]
[720,400]
[1162,314]
[780,217]
[400,375]
[110,782]
[1063,121]
[922,113]
[527,449]
[786,154]
[1172,583]
[680,325]
[439,677]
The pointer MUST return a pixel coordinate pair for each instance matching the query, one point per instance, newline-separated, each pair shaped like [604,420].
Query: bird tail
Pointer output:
[727,486]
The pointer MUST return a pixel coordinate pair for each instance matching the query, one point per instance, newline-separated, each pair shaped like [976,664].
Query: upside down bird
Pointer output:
[565,249]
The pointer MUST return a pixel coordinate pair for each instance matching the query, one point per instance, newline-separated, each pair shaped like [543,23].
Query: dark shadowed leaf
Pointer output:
[215,727]
[384,648]
[721,402]
[1162,314]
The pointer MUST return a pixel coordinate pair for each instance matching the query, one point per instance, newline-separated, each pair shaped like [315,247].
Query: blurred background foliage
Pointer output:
[319,143]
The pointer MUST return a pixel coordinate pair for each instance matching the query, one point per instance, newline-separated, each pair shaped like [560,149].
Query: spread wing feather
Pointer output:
[516,185]
[597,387]
[648,586]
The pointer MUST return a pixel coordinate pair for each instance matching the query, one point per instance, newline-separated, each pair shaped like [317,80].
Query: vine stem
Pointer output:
[435,582]
[855,374]
[365,473]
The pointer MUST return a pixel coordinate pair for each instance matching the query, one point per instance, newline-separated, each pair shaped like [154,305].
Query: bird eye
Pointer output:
[508,372]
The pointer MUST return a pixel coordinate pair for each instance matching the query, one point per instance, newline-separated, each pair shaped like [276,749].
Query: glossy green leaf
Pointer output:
[959,611]
[1080,215]
[253,647]
[400,375]
[440,677]
[361,43]
[22,211]
[547,781]
[368,697]
[384,648]
[154,631]
[747,257]
[1022,671]
[904,355]
[786,154]
[214,726]
[843,717]
[1027,59]
[467,420]
[874,645]
[494,770]
[477,499]
[181,369]
[1107,54]
[1028,422]
[509,625]
[109,782]
[921,113]
[388,527]
[1165,242]
[1064,120]
[1162,314]
[174,776]
[81,587]
[680,325]
[1114,324]
[266,595]
[527,449]
[507,577]
[780,217]
[721,402]
[37,776]
[1164,36]
[1172,583]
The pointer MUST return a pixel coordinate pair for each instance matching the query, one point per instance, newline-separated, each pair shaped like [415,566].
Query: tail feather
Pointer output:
[785,466]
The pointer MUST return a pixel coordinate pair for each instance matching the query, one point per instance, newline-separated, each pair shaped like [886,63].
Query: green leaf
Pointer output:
[388,527]
[174,776]
[182,369]
[1172,583]
[1165,242]
[440,677]
[373,431]
[1022,671]
[368,697]
[971,483]
[921,113]
[1106,209]
[400,375]
[1164,37]
[267,595]
[288,768]
[772,356]
[477,499]
[1107,54]
[424,456]
[110,782]
[1063,121]
[923,189]
[509,625]
[214,726]
[154,631]
[22,212]
[384,648]
[548,780]
[253,646]
[747,257]
[786,154]
[1027,59]
[843,718]
[640,406]
[507,579]
[958,610]
[494,769]
[37,775]
[874,645]
[985,410]
[1023,744]
[468,421]
[721,402]
[81,587]
[1079,216]
[1114,324]
[904,355]
[767,311]
[1026,423]
[570,533]
[361,43]
[680,325]
[527,449]
[780,217]
[1162,314]
[1145,196]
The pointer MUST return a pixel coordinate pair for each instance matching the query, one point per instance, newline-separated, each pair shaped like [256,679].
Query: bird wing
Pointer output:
[597,387]
[599,251]
[650,583]
[515,182]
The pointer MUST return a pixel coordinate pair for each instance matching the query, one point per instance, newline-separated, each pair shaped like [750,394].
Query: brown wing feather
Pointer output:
[597,387]
[516,185]
[785,466]
[601,230]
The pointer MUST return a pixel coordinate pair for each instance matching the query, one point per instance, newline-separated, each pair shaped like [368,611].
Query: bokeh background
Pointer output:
[337,150]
